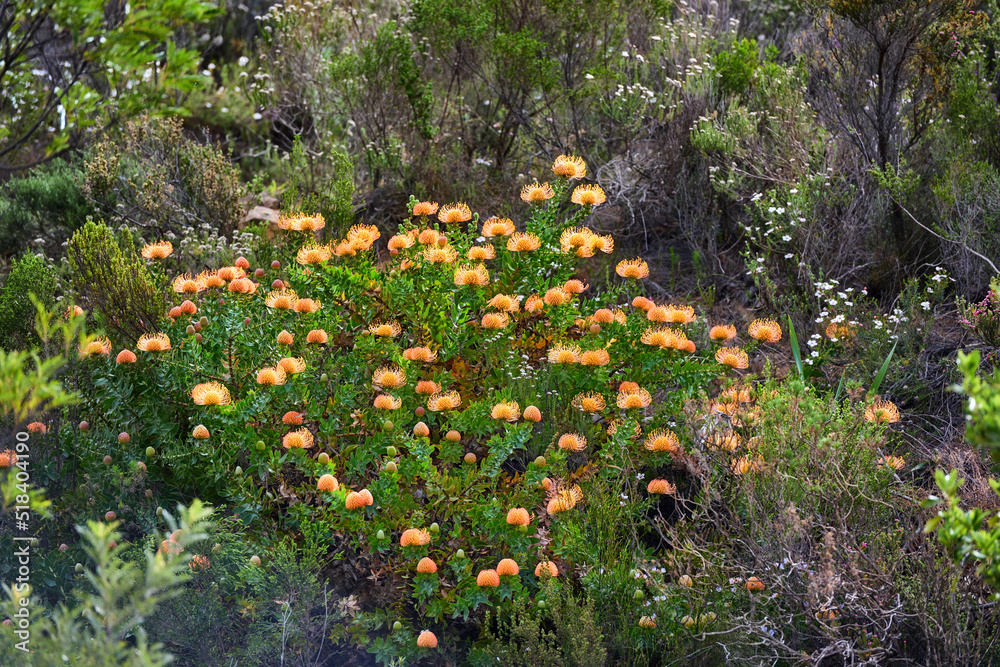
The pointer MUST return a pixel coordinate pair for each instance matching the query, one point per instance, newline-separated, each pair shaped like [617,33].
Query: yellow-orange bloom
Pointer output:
[228,273]
[498,227]
[722,332]
[425,208]
[125,357]
[302,223]
[292,418]
[158,342]
[588,195]
[213,280]
[424,354]
[564,354]
[188,284]
[317,336]
[284,299]
[743,465]
[413,537]
[387,402]
[680,314]
[488,579]
[647,622]
[572,442]
[389,377]
[427,639]
[243,286]
[642,303]
[532,414]
[442,402]
[427,387]
[556,297]
[477,276]
[495,321]
[354,501]
[603,316]
[569,167]
[631,401]
[453,213]
[385,329]
[754,584]
[523,242]
[426,566]
[8,458]
[200,432]
[327,483]
[37,427]
[838,331]
[269,376]
[345,249]
[882,412]
[508,568]
[313,254]
[505,302]
[632,268]
[506,411]
[158,250]
[300,439]
[659,337]
[292,365]
[576,286]
[537,192]
[894,462]
[421,430]
[363,235]
[548,567]
[73,311]
[661,486]
[595,358]
[98,346]
[575,237]
[766,331]
[400,242]
[481,252]
[662,441]
[589,402]
[605,244]
[210,393]
[518,516]
[285,338]
[734,357]
[437,255]
[307,306]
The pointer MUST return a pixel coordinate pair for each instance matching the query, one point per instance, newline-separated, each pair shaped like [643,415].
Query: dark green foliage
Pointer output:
[46,203]
[737,66]
[113,281]
[28,275]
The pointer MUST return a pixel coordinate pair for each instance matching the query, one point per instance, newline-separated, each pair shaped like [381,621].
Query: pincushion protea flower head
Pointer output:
[556,296]
[564,354]
[662,441]
[362,236]
[661,337]
[488,579]
[188,284]
[8,458]
[505,302]
[722,332]
[894,462]
[99,346]
[269,376]
[642,303]
[327,482]
[200,432]
[285,338]
[506,411]
[476,276]
[563,499]
[453,213]
[766,331]
[345,249]
[588,195]
[425,208]
[647,622]
[882,412]
[658,314]
[575,286]
[212,280]
[175,313]
[631,401]
[479,253]
[523,242]
[575,237]
[840,331]
[313,254]
[680,314]
[603,316]
[589,402]
[495,321]
[518,516]
[508,568]
[307,306]
[73,311]
[754,584]
[158,250]
[292,418]
[242,263]
[125,357]
[744,464]
[532,414]
[632,268]
[300,439]
[158,342]
[427,387]
[537,192]
[437,255]
[424,354]
[229,273]
[400,242]
[572,442]
[661,486]
[284,299]
[387,402]
[426,566]
[389,377]
[498,227]
[302,223]
[37,427]
[598,357]
[569,167]
[547,567]
[243,286]
[354,500]
[188,307]
[292,365]
[210,393]
[385,329]
[426,639]
[534,304]
[421,430]
[317,337]
[734,357]
[442,402]
[413,537]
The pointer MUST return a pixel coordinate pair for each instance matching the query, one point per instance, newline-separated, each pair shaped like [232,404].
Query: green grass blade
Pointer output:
[796,353]
[882,371]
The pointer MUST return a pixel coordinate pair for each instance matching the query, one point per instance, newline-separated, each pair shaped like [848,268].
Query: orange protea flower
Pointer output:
[73,311]
[307,306]
[894,462]
[317,336]
[37,427]
[603,316]
[662,441]
[400,242]
[385,329]
[741,394]
[605,244]
[754,584]
[583,251]
[187,307]
[175,313]
[327,483]
[569,167]
[588,195]
[518,516]
[589,402]
[661,486]
[425,208]
[532,414]
[437,255]
[426,566]
[125,357]
[364,234]
[495,321]
[442,402]
[269,376]
[564,354]
[366,497]
[200,432]
[228,273]
[302,223]
[243,286]
[722,332]
[508,568]
[498,227]
[642,303]
[766,331]
[576,286]
[630,401]
[658,314]
[284,299]
[188,284]
[292,418]
[506,411]
[505,302]
[743,465]
[158,342]
[556,297]
[836,331]
[628,387]
[882,412]
[292,365]
[575,237]
[452,213]
[572,442]
[354,500]
[523,242]
[426,639]
[424,354]
[313,254]
[98,346]
[242,263]
[478,253]
[413,537]
[563,499]
[534,304]
[421,430]
[387,402]
[210,393]
[632,268]
[427,387]
[8,458]
[546,566]
[345,249]
[477,276]
[680,314]
[285,338]
[158,250]
[170,547]
[595,358]
[300,439]
[488,578]
[389,377]
[647,622]
[212,280]
[537,192]
[734,357]
[659,337]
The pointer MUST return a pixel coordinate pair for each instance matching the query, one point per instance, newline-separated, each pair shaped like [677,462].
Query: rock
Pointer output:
[268,201]
[258,213]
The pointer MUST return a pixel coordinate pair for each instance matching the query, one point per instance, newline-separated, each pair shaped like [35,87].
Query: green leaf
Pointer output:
[882,371]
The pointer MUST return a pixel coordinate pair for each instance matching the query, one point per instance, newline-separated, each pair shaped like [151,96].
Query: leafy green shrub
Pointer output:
[46,203]
[27,275]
